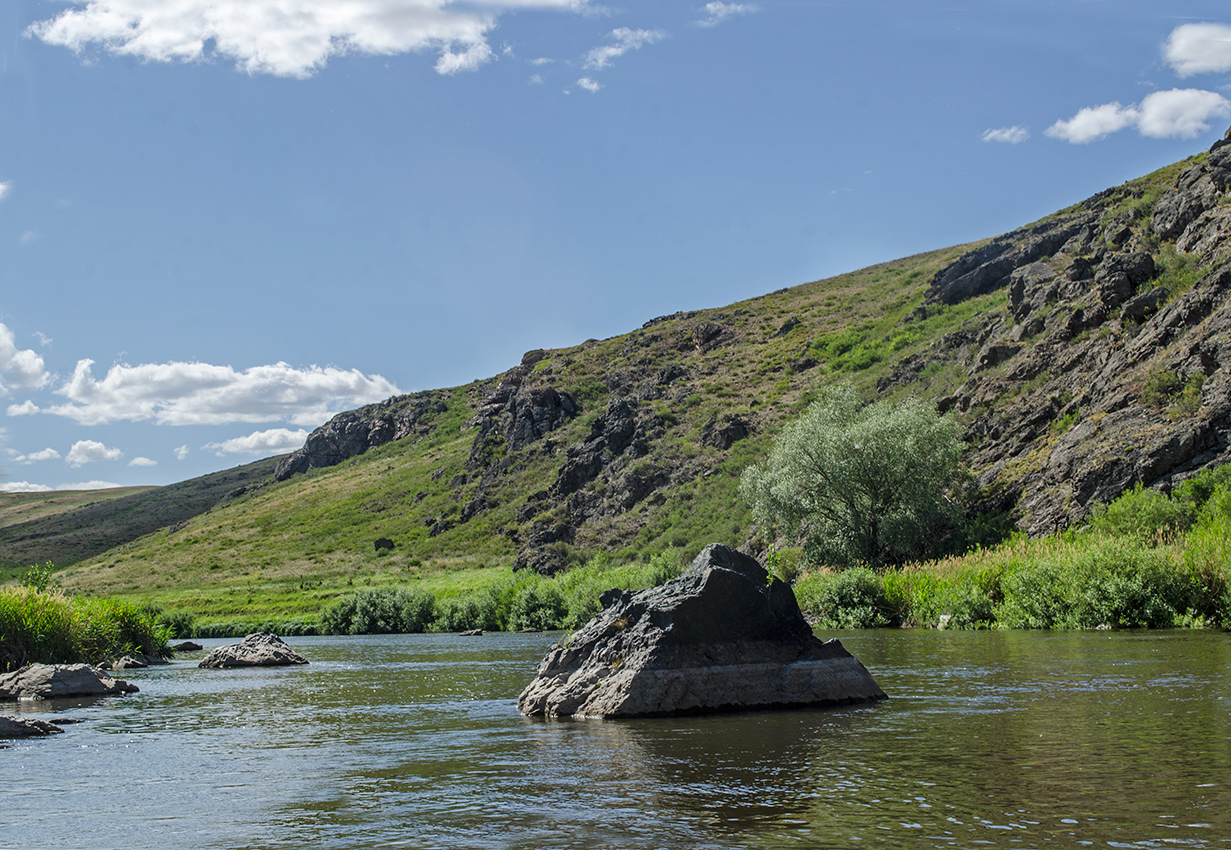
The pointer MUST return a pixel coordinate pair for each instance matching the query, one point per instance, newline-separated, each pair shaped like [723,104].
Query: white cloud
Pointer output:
[625,40]
[1178,113]
[1199,49]
[535,80]
[26,408]
[286,38]
[181,452]
[203,394]
[88,485]
[1010,135]
[5,188]
[1094,122]
[91,451]
[542,60]
[22,487]
[715,12]
[28,238]
[142,461]
[35,457]
[271,442]
[589,84]
[22,368]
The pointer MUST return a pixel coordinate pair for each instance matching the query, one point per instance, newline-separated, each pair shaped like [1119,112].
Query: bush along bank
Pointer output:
[1148,560]
[39,624]
[516,601]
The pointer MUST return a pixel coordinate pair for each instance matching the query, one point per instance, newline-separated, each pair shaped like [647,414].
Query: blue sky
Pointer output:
[222,221]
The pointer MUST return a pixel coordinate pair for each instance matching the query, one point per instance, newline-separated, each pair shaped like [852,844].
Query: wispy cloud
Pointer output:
[204,394]
[182,452]
[626,39]
[589,84]
[1007,135]
[5,188]
[142,461]
[271,442]
[1178,113]
[91,451]
[715,12]
[1199,49]
[286,38]
[35,457]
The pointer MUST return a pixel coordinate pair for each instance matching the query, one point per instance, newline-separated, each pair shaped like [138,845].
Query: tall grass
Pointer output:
[44,626]
[512,602]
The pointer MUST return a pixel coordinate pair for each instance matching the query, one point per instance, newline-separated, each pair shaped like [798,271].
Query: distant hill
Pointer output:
[1083,354]
[65,527]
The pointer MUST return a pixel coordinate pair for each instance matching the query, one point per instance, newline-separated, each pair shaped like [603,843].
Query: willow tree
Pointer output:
[860,483]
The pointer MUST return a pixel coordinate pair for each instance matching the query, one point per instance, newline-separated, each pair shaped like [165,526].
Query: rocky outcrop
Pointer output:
[260,649]
[357,431]
[12,728]
[723,636]
[57,681]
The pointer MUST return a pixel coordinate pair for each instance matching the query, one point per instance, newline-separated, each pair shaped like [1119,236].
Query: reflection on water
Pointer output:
[1001,740]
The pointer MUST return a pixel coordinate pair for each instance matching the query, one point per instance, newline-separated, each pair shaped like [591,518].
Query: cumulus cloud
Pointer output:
[142,461]
[1199,49]
[1008,135]
[715,12]
[88,485]
[1178,113]
[91,451]
[589,84]
[22,487]
[26,408]
[272,442]
[181,452]
[286,38]
[20,369]
[626,39]
[35,457]
[203,394]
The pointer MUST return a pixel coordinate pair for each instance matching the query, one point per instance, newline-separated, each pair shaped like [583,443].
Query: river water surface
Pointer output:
[1003,739]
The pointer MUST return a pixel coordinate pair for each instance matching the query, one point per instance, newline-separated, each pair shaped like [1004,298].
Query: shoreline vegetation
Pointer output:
[1146,560]
[40,625]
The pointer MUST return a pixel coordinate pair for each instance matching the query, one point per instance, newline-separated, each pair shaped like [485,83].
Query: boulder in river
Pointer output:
[55,681]
[260,649]
[25,727]
[724,636]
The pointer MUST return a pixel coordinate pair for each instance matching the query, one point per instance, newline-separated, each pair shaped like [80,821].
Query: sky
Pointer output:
[224,221]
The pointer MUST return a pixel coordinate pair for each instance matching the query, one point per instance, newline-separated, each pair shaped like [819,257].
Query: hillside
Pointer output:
[1082,354]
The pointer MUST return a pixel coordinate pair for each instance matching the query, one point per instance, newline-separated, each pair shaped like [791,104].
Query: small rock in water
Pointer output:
[55,681]
[25,727]
[259,649]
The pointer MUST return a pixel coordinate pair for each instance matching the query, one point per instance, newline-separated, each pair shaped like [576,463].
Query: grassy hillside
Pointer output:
[1082,354]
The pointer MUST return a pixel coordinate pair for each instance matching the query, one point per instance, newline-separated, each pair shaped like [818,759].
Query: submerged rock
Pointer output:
[25,727]
[721,637]
[55,681]
[259,649]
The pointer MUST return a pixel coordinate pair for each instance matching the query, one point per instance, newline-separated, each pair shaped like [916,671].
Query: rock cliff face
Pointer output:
[1111,365]
[721,637]
[356,431]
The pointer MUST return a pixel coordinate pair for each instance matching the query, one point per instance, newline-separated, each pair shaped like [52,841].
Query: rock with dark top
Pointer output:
[26,727]
[382,543]
[260,649]
[56,681]
[724,433]
[723,636]
[187,646]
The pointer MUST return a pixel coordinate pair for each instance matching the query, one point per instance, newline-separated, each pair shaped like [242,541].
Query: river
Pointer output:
[1002,739]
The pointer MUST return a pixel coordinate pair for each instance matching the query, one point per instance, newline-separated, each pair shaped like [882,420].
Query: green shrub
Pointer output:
[851,599]
[539,606]
[1142,513]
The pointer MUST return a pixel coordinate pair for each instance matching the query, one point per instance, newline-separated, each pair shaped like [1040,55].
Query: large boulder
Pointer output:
[259,649]
[25,727]
[723,636]
[56,681]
